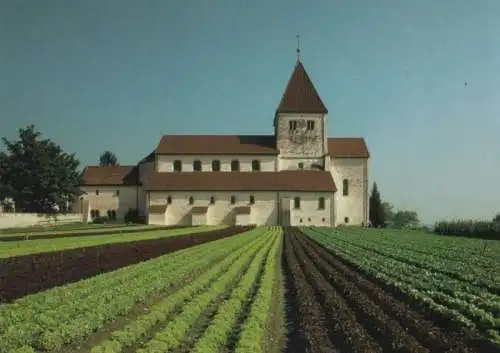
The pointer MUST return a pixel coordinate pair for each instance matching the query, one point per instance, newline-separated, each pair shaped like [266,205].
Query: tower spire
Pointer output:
[298,47]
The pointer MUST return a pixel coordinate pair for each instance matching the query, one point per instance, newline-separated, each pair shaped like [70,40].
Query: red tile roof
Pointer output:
[217,144]
[300,95]
[297,180]
[348,147]
[354,147]
[110,175]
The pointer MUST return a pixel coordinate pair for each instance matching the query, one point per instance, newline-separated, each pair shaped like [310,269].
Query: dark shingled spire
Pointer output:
[300,95]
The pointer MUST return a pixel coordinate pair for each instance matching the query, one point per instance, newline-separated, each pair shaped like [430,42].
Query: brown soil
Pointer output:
[29,274]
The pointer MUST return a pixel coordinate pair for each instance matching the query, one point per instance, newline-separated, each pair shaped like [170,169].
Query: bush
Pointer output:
[468,228]
[132,216]
[101,220]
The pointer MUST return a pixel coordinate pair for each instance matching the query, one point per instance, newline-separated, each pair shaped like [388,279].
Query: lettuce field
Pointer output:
[247,289]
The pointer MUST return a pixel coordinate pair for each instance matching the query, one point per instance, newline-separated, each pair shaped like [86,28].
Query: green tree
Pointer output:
[406,219]
[496,219]
[108,158]
[376,209]
[37,174]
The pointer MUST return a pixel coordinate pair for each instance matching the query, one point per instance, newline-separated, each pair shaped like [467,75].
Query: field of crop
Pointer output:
[453,282]
[264,289]
[22,247]
[209,298]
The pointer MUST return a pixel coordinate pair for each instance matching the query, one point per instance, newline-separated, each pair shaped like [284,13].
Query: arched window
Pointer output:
[212,200]
[321,203]
[169,200]
[252,199]
[191,200]
[301,165]
[177,166]
[197,166]
[233,200]
[345,187]
[235,165]
[216,165]
[256,165]
[296,203]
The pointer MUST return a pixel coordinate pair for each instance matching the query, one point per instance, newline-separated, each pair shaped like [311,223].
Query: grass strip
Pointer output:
[19,248]
[68,314]
[254,329]
[138,329]
[218,333]
[175,331]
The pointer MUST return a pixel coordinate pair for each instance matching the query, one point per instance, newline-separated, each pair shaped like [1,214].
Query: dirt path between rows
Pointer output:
[339,309]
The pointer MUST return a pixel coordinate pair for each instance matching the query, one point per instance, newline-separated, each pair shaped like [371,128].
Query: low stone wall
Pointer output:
[14,220]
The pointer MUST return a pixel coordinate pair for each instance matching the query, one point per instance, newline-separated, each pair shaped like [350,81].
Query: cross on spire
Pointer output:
[298,47]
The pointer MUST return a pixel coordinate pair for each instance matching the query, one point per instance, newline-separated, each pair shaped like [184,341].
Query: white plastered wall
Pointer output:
[354,206]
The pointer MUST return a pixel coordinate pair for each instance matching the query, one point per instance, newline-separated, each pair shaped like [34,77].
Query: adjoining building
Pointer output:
[297,176]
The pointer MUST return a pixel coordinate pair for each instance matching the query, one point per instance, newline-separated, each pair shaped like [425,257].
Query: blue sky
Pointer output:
[118,74]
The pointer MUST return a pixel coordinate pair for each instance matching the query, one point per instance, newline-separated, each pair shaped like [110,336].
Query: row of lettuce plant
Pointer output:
[69,314]
[225,322]
[133,332]
[176,331]
[438,292]
[254,329]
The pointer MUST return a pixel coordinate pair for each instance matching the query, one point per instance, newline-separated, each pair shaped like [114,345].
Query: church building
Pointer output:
[297,176]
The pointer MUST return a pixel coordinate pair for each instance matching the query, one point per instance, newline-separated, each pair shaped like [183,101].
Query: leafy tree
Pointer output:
[376,209]
[496,219]
[405,219]
[37,174]
[108,158]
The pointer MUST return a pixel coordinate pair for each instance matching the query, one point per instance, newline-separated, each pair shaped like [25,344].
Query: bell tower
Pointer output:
[300,124]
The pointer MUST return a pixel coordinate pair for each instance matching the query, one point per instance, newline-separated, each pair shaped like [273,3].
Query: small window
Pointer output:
[310,125]
[212,200]
[117,193]
[169,200]
[292,125]
[256,165]
[346,220]
[321,203]
[301,165]
[216,165]
[309,219]
[323,219]
[109,214]
[252,199]
[197,166]
[191,200]
[97,192]
[233,200]
[345,187]
[177,166]
[296,203]
[300,220]
[235,165]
